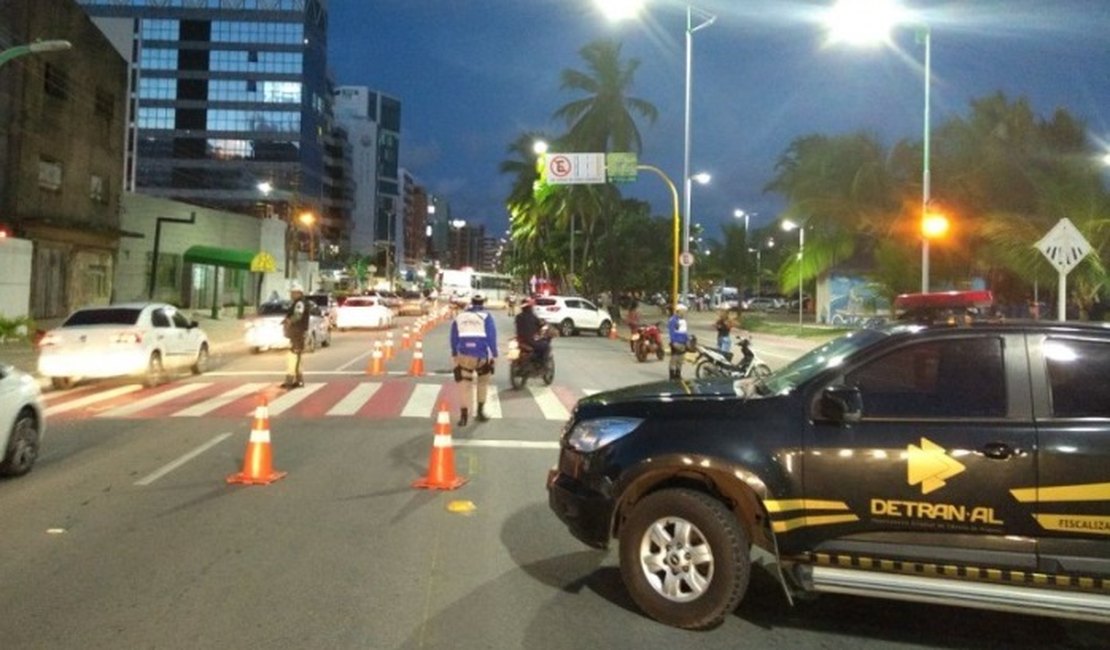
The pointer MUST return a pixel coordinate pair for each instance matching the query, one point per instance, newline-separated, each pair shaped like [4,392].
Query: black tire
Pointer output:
[23,445]
[255,349]
[61,383]
[201,364]
[155,371]
[603,330]
[659,352]
[549,371]
[705,369]
[641,351]
[566,328]
[516,378]
[720,559]
[761,370]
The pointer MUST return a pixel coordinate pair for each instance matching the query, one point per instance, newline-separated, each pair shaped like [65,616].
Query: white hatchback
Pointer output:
[363,311]
[21,421]
[571,315]
[143,339]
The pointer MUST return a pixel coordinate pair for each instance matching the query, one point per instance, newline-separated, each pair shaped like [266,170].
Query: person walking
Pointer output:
[473,350]
[295,327]
[633,320]
[680,338]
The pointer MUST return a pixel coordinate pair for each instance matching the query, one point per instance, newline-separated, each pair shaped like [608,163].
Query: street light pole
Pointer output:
[690,29]
[674,202]
[926,34]
[789,225]
[37,47]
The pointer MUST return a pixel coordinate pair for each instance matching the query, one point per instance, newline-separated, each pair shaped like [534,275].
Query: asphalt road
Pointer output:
[127,536]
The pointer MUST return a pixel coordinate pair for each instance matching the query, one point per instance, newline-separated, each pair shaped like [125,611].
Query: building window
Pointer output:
[97,189]
[156,118]
[158,59]
[55,82]
[159,30]
[50,175]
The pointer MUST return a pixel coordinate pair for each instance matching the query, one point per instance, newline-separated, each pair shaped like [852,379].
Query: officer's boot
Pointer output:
[299,382]
[465,417]
[482,417]
[289,382]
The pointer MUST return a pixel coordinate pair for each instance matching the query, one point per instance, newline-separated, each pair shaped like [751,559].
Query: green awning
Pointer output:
[231,258]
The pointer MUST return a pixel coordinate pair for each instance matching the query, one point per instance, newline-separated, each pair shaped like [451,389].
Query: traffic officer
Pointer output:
[295,329]
[473,349]
[680,338]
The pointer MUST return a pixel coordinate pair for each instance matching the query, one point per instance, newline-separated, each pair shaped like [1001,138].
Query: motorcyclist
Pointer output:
[529,329]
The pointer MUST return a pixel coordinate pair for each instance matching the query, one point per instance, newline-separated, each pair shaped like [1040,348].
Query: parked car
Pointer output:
[147,339]
[966,464]
[22,422]
[764,303]
[327,304]
[363,311]
[571,315]
[413,303]
[387,298]
[266,330]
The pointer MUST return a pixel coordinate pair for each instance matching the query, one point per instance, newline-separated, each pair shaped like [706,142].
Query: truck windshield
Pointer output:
[829,355]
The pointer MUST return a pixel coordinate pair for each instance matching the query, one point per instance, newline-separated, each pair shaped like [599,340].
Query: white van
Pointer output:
[728,297]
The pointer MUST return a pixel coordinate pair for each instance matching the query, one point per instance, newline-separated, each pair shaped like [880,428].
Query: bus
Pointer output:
[457,285]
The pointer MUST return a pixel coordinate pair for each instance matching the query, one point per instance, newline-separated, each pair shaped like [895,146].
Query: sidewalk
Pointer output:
[225,336]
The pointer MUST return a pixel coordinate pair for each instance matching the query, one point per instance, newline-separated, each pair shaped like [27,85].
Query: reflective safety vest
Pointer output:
[473,334]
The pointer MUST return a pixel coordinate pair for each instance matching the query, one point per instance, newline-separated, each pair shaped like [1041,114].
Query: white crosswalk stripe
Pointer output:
[293,397]
[549,403]
[421,401]
[354,400]
[91,399]
[493,403]
[209,405]
[152,401]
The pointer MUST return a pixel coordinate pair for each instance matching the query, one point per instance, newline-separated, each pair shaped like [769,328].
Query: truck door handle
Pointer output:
[998,450]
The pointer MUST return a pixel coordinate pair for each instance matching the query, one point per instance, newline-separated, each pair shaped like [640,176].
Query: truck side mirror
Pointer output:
[842,404]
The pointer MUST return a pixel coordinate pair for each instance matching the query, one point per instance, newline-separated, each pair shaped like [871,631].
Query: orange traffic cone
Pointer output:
[389,346]
[258,468]
[613,332]
[375,366]
[441,464]
[406,342]
[416,368]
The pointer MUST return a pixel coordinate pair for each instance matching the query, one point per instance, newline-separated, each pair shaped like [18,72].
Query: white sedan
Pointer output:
[143,339]
[265,331]
[21,421]
[363,311]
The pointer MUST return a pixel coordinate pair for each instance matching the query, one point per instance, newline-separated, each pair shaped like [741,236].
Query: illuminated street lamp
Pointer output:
[38,47]
[308,220]
[789,225]
[618,9]
[869,22]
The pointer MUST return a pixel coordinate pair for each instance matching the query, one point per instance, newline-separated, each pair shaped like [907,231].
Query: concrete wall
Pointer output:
[212,228]
[15,277]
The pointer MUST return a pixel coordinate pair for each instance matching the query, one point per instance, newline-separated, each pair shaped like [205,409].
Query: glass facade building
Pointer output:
[228,95]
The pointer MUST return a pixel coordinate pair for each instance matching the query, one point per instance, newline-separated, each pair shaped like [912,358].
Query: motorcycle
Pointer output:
[647,339]
[524,364]
[714,362]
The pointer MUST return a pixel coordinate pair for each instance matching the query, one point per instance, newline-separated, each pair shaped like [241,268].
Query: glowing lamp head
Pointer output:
[934,225]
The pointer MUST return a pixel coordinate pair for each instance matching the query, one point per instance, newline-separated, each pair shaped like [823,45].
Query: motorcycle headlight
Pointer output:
[591,435]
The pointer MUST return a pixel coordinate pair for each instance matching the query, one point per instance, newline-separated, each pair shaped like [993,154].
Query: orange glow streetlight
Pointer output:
[934,225]
[308,220]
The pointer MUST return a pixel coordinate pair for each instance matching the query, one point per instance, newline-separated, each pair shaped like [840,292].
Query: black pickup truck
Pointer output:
[964,464]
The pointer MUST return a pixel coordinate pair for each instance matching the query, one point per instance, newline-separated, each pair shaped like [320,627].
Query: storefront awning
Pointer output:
[231,258]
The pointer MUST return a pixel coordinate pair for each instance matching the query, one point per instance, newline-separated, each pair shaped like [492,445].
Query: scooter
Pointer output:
[538,362]
[714,362]
[647,340]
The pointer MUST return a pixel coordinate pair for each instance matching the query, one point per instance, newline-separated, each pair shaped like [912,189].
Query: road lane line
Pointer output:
[276,373]
[155,400]
[506,444]
[172,465]
[357,359]
[90,399]
[422,401]
[209,405]
[493,403]
[353,401]
[292,398]
[549,403]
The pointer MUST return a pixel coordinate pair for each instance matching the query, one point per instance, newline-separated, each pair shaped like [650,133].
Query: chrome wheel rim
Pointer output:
[24,447]
[676,559]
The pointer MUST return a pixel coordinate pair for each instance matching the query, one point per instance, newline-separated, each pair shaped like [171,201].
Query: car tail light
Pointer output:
[128,337]
[49,339]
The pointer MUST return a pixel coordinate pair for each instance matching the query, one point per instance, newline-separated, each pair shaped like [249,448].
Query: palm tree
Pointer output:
[603,120]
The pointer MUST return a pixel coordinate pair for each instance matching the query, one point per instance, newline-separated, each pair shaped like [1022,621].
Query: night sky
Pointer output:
[472,75]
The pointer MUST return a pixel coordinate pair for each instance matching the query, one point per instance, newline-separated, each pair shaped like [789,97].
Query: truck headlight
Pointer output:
[591,435]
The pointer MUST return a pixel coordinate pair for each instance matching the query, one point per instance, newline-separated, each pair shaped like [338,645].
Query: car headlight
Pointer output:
[591,435]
